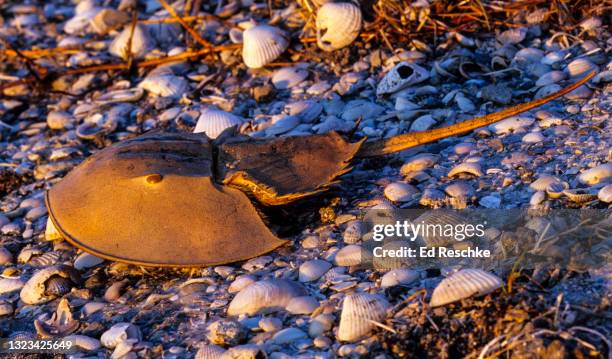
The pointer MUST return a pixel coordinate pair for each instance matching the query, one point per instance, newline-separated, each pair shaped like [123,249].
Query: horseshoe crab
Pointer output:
[180,199]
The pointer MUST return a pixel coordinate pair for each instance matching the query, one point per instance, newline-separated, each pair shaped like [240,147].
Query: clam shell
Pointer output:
[401,76]
[213,122]
[398,276]
[240,283]
[281,124]
[288,77]
[142,43]
[351,255]
[302,305]
[459,189]
[127,95]
[550,78]
[86,260]
[596,175]
[306,110]
[472,168]
[464,284]
[580,67]
[533,137]
[440,217]
[37,290]
[432,197]
[209,351]
[338,25]
[547,90]
[400,192]
[57,286]
[288,336]
[262,44]
[422,123]
[419,162]
[543,182]
[264,296]
[165,85]
[357,312]
[27,253]
[511,124]
[9,285]
[313,270]
[118,333]
[387,262]
[605,194]
[84,342]
[353,232]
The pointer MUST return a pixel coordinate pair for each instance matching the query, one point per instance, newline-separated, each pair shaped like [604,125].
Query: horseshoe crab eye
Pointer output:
[154,178]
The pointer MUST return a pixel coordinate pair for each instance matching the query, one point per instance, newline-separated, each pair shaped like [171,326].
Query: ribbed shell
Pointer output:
[119,333]
[357,311]
[338,25]
[45,260]
[464,284]
[57,286]
[387,262]
[579,196]
[165,85]
[142,43]
[313,270]
[209,351]
[46,284]
[262,44]
[213,122]
[401,76]
[353,232]
[441,217]
[351,255]
[596,175]
[264,296]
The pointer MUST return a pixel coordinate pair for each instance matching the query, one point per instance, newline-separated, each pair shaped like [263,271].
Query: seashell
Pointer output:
[86,260]
[213,122]
[590,24]
[512,36]
[400,192]
[543,182]
[118,333]
[84,342]
[464,284]
[553,57]
[59,325]
[127,95]
[440,218]
[459,189]
[264,296]
[27,253]
[142,43]
[550,78]
[401,76]
[595,175]
[108,19]
[59,120]
[338,25]
[165,85]
[302,305]
[605,194]
[49,283]
[6,257]
[45,260]
[528,55]
[307,111]
[511,124]
[432,197]
[288,335]
[313,270]
[465,104]
[398,276]
[353,232]
[332,123]
[472,168]
[533,137]
[386,262]
[579,196]
[6,308]
[270,324]
[422,123]
[463,40]
[537,198]
[358,310]
[9,285]
[247,351]
[580,67]
[547,90]
[603,77]
[351,255]
[320,324]
[240,283]
[289,77]
[209,351]
[419,162]
[113,293]
[547,119]
[555,190]
[51,233]
[282,124]
[80,23]
[262,44]
[582,92]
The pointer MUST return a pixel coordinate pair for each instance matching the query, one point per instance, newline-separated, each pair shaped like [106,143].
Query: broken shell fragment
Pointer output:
[358,312]
[596,175]
[264,296]
[49,283]
[579,196]
[401,76]
[262,44]
[338,25]
[59,325]
[51,233]
[464,284]
[213,122]
[127,95]
[118,333]
[142,43]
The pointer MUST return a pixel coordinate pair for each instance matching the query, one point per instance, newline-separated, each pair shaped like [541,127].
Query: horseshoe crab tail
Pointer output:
[402,142]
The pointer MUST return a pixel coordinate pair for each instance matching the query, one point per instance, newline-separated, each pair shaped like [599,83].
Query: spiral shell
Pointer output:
[165,85]
[142,43]
[596,175]
[464,284]
[118,333]
[338,25]
[401,76]
[262,44]
[209,351]
[213,122]
[49,283]
[264,296]
[358,310]
[313,270]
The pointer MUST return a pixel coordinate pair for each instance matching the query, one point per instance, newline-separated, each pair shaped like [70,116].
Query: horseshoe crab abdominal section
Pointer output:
[182,200]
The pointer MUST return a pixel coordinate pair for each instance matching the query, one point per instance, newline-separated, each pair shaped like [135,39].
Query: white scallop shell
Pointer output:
[472,168]
[288,77]
[358,310]
[165,85]
[398,276]
[262,44]
[8,285]
[550,78]
[338,25]
[209,351]
[51,233]
[464,284]
[401,76]
[213,122]
[350,255]
[580,67]
[605,194]
[596,175]
[142,43]
[84,342]
[511,124]
[302,305]
[313,270]
[35,290]
[240,283]
[118,333]
[264,296]
[400,191]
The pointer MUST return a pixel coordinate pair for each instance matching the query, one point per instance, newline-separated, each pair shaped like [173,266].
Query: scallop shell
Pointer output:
[51,233]
[464,284]
[27,253]
[213,122]
[165,85]
[313,270]
[580,67]
[47,284]
[351,255]
[338,25]
[401,76]
[288,77]
[398,276]
[400,192]
[605,194]
[142,43]
[45,260]
[209,351]
[358,310]
[596,175]
[264,296]
[440,217]
[84,342]
[387,262]
[9,285]
[118,333]
[472,168]
[302,305]
[262,44]
[353,232]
